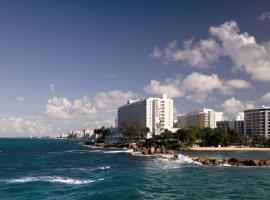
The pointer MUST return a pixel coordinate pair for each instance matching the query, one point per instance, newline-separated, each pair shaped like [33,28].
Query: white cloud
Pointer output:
[18,98]
[87,107]
[264,16]
[266,97]
[20,127]
[172,87]
[52,88]
[224,40]
[112,99]
[62,108]
[200,54]
[234,107]
[231,85]
[196,87]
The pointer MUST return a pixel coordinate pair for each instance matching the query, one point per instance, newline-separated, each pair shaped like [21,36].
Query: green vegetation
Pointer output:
[133,132]
[101,134]
[204,137]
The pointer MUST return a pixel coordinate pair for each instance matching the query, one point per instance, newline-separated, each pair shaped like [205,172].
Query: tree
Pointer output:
[101,134]
[133,132]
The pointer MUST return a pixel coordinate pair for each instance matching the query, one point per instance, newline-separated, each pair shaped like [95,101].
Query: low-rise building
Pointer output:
[202,118]
[236,125]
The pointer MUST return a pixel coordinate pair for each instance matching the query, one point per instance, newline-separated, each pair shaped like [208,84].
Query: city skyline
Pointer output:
[68,65]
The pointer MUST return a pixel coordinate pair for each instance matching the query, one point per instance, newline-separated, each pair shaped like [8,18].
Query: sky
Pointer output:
[68,65]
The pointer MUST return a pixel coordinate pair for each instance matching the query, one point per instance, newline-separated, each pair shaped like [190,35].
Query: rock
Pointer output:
[205,161]
[225,161]
[170,152]
[267,162]
[152,150]
[158,150]
[235,161]
[144,151]
[250,163]
[163,149]
[135,147]
[215,162]
[175,156]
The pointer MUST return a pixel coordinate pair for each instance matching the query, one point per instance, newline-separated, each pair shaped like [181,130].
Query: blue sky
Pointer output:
[60,61]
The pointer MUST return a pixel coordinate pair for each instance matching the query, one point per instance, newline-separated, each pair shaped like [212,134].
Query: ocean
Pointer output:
[65,169]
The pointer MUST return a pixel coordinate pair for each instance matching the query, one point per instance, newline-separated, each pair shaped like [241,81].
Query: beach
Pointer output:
[231,148]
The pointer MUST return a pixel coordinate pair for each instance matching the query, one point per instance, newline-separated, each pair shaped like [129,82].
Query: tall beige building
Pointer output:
[154,113]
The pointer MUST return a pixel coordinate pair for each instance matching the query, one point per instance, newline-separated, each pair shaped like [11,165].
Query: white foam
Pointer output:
[105,167]
[52,179]
[120,151]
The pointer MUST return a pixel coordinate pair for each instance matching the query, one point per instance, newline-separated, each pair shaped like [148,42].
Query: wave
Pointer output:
[92,169]
[120,151]
[76,151]
[105,167]
[52,179]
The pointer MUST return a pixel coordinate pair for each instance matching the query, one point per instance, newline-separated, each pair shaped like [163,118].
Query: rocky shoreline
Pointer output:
[161,150]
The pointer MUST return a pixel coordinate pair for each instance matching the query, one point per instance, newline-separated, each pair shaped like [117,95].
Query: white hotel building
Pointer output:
[154,113]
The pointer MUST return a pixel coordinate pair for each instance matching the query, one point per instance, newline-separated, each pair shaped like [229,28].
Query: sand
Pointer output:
[232,148]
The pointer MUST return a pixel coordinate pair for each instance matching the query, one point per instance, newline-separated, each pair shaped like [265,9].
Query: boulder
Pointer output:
[215,162]
[152,150]
[144,151]
[203,160]
[170,152]
[163,149]
[158,150]
[267,162]
[235,161]
[225,161]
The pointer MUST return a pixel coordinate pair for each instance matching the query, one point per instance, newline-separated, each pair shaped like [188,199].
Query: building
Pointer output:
[154,113]
[236,125]
[199,118]
[257,122]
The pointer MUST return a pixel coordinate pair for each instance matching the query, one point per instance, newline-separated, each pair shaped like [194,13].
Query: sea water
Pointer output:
[65,169]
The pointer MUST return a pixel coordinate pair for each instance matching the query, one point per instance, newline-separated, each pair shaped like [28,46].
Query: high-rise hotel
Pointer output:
[257,122]
[154,113]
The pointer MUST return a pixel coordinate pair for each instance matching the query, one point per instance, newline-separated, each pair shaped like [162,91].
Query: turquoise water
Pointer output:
[64,169]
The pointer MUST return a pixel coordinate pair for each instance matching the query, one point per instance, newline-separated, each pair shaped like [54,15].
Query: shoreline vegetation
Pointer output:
[161,151]
[187,139]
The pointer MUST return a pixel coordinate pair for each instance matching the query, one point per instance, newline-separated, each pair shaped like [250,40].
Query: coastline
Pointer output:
[228,149]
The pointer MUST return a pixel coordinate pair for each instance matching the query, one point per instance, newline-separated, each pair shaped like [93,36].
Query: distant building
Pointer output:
[236,125]
[257,122]
[154,113]
[199,118]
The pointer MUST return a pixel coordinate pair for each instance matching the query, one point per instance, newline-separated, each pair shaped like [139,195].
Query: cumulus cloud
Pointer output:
[196,87]
[21,127]
[227,41]
[234,107]
[62,108]
[87,107]
[172,87]
[264,16]
[266,97]
[112,99]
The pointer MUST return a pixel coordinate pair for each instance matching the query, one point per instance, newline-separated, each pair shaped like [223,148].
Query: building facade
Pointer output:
[257,122]
[236,125]
[154,113]
[202,118]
